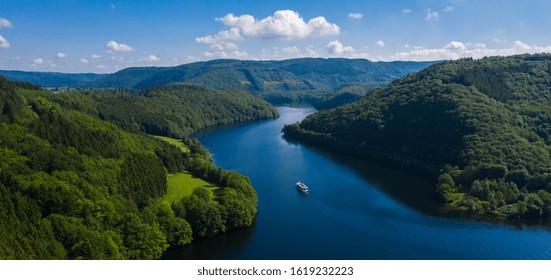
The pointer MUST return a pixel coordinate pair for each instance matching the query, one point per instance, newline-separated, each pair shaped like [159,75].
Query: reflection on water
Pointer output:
[211,248]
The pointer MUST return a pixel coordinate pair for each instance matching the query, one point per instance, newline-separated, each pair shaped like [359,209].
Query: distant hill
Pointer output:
[51,79]
[261,77]
[482,127]
[301,80]
[172,110]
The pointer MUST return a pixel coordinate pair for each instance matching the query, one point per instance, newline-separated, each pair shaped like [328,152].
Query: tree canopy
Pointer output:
[74,186]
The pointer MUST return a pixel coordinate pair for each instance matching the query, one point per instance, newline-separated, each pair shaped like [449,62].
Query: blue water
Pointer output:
[355,210]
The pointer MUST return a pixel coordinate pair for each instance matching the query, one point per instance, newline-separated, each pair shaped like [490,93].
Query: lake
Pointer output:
[355,210]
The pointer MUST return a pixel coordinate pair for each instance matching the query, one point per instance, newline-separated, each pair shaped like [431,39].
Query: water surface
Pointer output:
[356,210]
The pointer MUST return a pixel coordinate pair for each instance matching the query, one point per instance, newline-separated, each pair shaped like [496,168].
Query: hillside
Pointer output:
[481,128]
[51,79]
[174,110]
[73,186]
[262,77]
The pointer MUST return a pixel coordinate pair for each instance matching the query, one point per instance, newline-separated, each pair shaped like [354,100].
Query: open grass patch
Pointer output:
[176,142]
[182,184]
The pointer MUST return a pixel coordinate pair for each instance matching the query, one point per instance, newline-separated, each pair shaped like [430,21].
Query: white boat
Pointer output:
[302,187]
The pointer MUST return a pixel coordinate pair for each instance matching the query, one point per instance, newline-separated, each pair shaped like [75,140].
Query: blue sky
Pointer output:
[106,36]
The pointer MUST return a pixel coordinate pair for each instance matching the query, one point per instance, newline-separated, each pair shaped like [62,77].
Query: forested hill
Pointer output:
[173,110]
[51,79]
[304,74]
[482,127]
[314,81]
[77,187]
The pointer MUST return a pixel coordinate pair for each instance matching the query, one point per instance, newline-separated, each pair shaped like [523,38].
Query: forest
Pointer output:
[480,129]
[172,110]
[80,181]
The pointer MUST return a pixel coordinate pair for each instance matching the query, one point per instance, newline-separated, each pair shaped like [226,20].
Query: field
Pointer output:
[182,184]
[174,142]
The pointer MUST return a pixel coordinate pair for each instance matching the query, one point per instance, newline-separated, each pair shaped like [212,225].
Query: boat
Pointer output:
[302,187]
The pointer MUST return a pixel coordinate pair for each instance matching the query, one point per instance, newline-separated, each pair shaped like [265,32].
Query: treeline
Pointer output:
[73,186]
[481,128]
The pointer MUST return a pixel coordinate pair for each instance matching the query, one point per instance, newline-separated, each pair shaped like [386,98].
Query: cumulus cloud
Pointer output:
[380,43]
[288,52]
[95,56]
[283,24]
[4,43]
[85,61]
[336,48]
[151,58]
[226,54]
[355,15]
[448,9]
[406,11]
[38,61]
[455,46]
[61,55]
[432,15]
[5,23]
[116,47]
[233,34]
[456,50]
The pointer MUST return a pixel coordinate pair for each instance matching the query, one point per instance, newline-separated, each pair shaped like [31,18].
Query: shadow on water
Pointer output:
[418,193]
[212,248]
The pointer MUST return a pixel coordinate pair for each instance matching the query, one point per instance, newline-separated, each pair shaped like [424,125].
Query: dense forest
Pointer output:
[480,128]
[173,110]
[73,186]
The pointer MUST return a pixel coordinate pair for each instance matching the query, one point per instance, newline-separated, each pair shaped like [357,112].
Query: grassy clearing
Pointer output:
[174,142]
[182,184]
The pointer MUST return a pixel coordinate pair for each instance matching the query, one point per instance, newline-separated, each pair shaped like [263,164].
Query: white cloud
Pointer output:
[432,15]
[518,45]
[95,56]
[5,23]
[4,43]
[406,11]
[38,61]
[336,48]
[456,50]
[151,58]
[101,66]
[355,15]
[233,34]
[455,46]
[116,47]
[283,24]
[380,43]
[448,9]
[85,61]
[61,55]
[224,54]
[223,46]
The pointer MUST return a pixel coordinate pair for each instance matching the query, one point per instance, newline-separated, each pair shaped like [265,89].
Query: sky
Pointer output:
[106,36]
